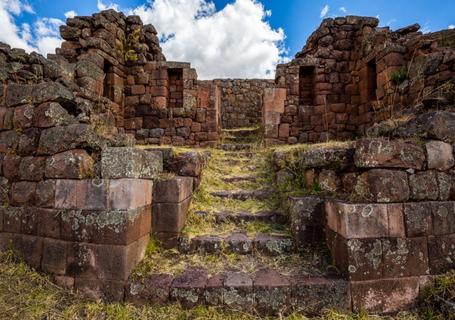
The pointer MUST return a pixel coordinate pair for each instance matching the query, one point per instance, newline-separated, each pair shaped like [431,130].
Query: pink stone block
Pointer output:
[126,194]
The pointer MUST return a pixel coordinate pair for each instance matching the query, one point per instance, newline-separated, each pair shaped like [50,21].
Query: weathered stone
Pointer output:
[238,294]
[304,212]
[326,157]
[417,218]
[207,244]
[130,163]
[45,194]
[23,193]
[74,164]
[153,289]
[381,185]
[126,194]
[239,243]
[329,180]
[443,214]
[57,139]
[173,190]
[272,292]
[440,155]
[424,185]
[273,245]
[312,295]
[170,217]
[441,253]
[387,295]
[405,257]
[54,256]
[32,168]
[51,114]
[376,153]
[188,288]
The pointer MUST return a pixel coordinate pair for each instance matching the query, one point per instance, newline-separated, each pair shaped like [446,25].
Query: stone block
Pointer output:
[50,114]
[117,163]
[11,165]
[443,214]
[100,289]
[305,212]
[12,219]
[441,253]
[66,194]
[273,245]
[386,295]
[29,223]
[358,259]
[107,262]
[440,155]
[153,289]
[54,256]
[91,194]
[23,193]
[382,153]
[23,116]
[239,243]
[313,295]
[357,221]
[169,217]
[188,288]
[417,217]
[272,291]
[127,194]
[405,257]
[62,138]
[45,194]
[105,227]
[424,185]
[173,190]
[73,164]
[329,180]
[28,248]
[49,223]
[382,185]
[238,293]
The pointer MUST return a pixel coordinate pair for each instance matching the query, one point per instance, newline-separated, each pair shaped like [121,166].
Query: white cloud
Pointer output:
[70,14]
[324,11]
[11,33]
[102,6]
[451,26]
[343,9]
[236,41]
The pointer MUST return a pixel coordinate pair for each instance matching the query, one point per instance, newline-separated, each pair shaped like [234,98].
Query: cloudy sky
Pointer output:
[221,38]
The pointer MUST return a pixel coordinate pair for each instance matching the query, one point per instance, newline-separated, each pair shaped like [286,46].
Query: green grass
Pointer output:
[28,295]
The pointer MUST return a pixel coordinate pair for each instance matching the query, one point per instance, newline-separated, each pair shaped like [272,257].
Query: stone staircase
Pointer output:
[236,250]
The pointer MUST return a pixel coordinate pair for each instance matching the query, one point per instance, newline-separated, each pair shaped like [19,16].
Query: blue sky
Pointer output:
[274,37]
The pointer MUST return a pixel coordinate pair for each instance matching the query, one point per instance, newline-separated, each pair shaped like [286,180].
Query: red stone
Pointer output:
[23,193]
[73,164]
[173,190]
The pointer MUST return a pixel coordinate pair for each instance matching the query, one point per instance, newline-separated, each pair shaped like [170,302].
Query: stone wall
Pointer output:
[352,74]
[386,204]
[165,104]
[76,194]
[241,101]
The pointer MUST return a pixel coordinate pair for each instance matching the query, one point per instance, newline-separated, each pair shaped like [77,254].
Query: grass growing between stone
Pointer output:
[26,294]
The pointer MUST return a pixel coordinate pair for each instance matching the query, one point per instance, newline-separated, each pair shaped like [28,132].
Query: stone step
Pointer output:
[242,133]
[243,195]
[235,146]
[238,242]
[265,292]
[239,217]
[240,179]
[236,162]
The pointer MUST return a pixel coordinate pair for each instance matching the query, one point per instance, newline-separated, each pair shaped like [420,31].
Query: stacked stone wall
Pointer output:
[242,101]
[362,74]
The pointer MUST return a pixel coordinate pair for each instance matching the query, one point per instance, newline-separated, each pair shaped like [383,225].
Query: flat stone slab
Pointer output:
[239,217]
[267,292]
[235,146]
[240,243]
[243,195]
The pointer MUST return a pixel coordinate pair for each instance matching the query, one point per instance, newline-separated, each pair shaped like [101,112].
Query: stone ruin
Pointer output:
[80,199]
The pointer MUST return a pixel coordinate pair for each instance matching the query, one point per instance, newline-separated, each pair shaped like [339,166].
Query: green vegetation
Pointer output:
[25,294]
[399,76]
